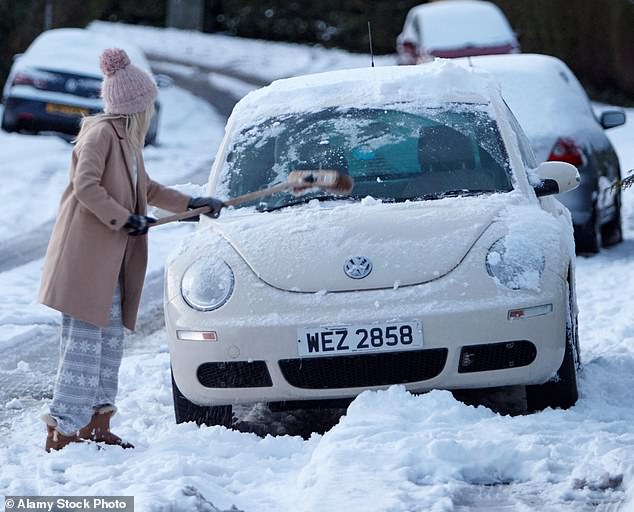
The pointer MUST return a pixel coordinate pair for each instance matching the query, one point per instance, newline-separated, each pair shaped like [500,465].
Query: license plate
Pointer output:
[355,339]
[54,108]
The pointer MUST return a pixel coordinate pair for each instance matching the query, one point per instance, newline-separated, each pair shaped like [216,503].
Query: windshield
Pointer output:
[392,153]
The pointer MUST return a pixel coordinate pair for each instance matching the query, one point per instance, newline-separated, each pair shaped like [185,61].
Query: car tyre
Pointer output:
[560,392]
[186,411]
[5,124]
[611,231]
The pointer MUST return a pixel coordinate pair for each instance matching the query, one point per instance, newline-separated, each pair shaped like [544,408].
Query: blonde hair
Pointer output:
[136,126]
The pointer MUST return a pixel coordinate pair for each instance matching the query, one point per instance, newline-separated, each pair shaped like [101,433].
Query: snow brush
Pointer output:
[626,182]
[297,182]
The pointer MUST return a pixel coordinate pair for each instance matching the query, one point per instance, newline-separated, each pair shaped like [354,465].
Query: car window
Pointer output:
[415,26]
[394,153]
[526,150]
[445,25]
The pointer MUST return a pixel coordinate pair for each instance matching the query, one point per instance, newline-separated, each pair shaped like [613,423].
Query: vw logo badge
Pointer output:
[357,267]
[71,85]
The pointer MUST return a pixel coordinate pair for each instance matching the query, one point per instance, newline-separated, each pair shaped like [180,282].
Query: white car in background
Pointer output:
[558,118]
[445,267]
[454,28]
[57,81]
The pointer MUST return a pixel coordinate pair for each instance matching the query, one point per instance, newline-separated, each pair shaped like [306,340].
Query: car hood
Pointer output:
[305,249]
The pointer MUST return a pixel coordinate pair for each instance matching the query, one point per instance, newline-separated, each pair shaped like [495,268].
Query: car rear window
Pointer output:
[480,24]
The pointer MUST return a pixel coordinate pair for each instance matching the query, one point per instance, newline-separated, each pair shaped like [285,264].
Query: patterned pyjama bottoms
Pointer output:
[88,372]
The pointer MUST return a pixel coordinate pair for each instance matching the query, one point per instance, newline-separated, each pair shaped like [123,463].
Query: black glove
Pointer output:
[138,224]
[214,204]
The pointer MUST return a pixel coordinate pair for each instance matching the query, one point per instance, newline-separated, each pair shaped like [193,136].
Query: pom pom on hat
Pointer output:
[126,89]
[112,60]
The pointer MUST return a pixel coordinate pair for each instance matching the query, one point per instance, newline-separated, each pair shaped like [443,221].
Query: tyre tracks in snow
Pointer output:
[25,247]
[198,80]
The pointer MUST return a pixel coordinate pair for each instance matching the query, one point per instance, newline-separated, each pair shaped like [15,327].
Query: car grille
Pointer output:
[364,370]
[496,356]
[235,374]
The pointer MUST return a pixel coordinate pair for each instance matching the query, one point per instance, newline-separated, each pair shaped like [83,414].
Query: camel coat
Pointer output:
[89,252]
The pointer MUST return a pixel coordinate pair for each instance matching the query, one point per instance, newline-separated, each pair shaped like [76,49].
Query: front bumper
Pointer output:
[470,340]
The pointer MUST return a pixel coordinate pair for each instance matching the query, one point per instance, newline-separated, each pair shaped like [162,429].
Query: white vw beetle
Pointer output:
[446,266]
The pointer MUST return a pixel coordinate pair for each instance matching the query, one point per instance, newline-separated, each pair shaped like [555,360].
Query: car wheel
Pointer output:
[186,411]
[561,392]
[588,236]
[6,126]
[611,231]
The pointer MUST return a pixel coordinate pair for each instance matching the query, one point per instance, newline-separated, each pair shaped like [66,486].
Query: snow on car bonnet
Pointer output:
[433,83]
[76,50]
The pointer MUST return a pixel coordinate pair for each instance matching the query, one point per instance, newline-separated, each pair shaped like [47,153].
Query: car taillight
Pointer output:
[409,48]
[22,78]
[565,150]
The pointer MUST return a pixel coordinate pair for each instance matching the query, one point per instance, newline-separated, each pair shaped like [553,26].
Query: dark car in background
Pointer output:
[57,81]
[561,124]
[454,28]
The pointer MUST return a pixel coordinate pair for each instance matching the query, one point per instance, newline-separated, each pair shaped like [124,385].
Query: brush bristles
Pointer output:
[343,184]
[332,181]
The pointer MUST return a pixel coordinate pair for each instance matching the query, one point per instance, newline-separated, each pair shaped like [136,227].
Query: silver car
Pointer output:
[559,120]
[454,28]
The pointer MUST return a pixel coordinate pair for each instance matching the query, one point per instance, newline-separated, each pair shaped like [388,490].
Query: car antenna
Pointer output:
[370,40]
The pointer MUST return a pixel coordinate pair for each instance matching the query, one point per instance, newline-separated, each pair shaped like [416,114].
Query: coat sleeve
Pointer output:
[164,197]
[91,155]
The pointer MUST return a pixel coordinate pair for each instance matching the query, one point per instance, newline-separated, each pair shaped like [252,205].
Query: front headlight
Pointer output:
[207,284]
[516,262]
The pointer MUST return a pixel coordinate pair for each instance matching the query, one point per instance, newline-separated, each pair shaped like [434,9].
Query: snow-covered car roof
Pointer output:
[542,91]
[480,24]
[434,84]
[75,50]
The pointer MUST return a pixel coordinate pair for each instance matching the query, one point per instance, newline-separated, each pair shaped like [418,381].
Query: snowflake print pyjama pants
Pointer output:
[88,371]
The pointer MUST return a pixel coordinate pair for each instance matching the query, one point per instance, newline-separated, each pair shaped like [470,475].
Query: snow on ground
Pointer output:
[391,451]
[256,58]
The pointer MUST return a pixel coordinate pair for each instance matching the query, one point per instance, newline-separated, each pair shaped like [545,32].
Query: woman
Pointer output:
[96,259]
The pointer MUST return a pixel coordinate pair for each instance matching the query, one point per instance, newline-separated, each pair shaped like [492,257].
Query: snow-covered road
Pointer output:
[390,452]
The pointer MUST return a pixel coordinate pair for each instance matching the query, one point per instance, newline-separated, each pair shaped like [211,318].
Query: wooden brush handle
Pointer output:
[180,216]
[297,180]
[250,196]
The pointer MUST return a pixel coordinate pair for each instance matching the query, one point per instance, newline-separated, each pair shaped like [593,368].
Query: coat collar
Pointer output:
[119,127]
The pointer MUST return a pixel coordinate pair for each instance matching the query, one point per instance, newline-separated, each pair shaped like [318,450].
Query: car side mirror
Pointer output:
[163,81]
[612,118]
[556,178]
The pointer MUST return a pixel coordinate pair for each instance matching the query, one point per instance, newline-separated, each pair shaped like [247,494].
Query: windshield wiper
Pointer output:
[300,200]
[458,192]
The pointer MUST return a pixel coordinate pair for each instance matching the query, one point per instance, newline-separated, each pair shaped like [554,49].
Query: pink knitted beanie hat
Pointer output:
[125,89]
